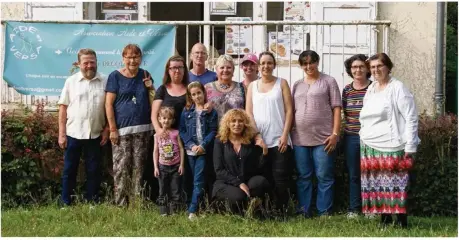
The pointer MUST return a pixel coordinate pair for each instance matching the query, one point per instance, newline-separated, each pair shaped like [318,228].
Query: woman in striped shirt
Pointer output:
[353,94]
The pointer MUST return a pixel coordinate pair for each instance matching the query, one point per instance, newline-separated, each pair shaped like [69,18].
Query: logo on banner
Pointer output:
[25,42]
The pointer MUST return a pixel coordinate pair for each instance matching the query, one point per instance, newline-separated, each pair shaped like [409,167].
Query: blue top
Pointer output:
[188,128]
[132,106]
[206,77]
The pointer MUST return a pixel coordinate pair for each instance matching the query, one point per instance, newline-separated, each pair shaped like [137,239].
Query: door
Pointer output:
[337,43]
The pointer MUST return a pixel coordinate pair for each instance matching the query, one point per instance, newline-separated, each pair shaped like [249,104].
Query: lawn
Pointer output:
[108,220]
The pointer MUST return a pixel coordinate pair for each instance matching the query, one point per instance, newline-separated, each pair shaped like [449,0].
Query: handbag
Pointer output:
[148,82]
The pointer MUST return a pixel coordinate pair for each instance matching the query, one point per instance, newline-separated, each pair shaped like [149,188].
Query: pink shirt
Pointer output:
[313,110]
[169,151]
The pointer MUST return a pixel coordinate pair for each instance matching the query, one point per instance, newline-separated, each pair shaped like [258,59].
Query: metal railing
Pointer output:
[334,41]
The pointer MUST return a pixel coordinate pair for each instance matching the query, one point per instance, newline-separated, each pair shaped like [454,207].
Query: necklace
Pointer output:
[224,86]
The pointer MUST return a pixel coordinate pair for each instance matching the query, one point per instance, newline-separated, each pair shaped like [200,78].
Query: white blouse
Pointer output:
[389,119]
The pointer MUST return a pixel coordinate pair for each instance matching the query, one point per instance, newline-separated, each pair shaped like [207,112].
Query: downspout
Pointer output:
[439,83]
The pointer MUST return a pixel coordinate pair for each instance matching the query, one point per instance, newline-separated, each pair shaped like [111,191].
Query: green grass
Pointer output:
[108,220]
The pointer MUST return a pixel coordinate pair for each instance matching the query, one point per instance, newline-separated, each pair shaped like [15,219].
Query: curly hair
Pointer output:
[224,128]
[189,100]
[358,57]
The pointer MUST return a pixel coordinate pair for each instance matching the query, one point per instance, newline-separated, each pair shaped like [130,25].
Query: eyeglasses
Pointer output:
[175,69]
[200,53]
[132,57]
[358,67]
[377,66]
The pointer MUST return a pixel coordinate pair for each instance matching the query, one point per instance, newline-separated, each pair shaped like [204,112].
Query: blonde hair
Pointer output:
[224,128]
[224,59]
[189,100]
[166,112]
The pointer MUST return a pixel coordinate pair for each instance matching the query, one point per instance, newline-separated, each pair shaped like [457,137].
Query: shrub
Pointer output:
[32,165]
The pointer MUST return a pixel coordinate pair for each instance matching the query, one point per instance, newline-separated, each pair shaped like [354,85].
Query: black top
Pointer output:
[234,169]
[178,103]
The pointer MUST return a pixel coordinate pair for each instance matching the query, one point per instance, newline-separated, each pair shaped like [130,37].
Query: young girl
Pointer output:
[198,128]
[169,160]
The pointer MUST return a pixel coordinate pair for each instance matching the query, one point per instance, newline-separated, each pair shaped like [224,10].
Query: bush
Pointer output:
[32,165]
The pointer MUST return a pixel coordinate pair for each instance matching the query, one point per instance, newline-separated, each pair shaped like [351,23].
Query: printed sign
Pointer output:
[238,38]
[296,11]
[223,8]
[119,7]
[37,62]
[286,47]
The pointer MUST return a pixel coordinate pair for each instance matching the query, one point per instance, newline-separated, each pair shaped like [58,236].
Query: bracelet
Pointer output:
[113,130]
[336,134]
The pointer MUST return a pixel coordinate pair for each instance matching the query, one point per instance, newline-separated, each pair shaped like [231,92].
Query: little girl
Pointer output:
[198,128]
[169,160]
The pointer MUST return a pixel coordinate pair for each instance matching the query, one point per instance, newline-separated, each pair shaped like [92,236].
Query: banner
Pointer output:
[39,56]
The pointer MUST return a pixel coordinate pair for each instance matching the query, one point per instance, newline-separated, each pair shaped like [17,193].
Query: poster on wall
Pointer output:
[238,38]
[117,16]
[296,11]
[223,8]
[286,47]
[38,63]
[124,7]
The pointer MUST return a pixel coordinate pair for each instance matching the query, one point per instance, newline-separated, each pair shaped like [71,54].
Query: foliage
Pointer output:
[32,165]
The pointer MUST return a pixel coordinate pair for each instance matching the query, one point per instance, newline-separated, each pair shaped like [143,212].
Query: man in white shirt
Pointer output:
[82,125]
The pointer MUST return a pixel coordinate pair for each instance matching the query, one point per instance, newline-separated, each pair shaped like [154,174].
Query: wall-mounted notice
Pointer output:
[296,11]
[286,47]
[238,38]
[223,8]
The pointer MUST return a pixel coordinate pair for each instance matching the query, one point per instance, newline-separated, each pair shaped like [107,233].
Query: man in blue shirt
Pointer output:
[198,71]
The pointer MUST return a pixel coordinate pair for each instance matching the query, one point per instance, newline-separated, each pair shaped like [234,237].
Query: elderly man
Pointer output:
[198,71]
[82,125]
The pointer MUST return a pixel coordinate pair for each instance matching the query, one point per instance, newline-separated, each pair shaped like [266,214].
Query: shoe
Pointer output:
[192,216]
[370,216]
[386,219]
[164,215]
[324,216]
[92,207]
[352,215]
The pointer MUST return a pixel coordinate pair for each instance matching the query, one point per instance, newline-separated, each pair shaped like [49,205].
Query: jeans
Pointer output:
[311,160]
[197,164]
[352,155]
[169,188]
[92,155]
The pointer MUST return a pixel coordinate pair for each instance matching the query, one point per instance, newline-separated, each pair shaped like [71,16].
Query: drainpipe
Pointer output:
[439,83]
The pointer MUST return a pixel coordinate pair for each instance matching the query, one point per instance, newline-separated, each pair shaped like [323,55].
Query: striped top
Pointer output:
[352,105]
[313,110]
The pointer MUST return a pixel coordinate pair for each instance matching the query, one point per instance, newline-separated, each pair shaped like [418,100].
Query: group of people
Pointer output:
[239,142]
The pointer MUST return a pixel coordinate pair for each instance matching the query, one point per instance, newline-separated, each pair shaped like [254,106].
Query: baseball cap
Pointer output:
[250,57]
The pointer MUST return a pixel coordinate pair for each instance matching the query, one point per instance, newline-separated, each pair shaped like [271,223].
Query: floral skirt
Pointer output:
[384,177]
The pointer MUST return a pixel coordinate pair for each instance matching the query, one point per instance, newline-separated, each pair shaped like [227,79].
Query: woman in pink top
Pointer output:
[316,125]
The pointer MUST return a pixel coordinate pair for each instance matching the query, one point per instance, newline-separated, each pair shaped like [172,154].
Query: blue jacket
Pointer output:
[209,125]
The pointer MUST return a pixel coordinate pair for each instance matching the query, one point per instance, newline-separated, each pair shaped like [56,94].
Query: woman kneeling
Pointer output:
[237,163]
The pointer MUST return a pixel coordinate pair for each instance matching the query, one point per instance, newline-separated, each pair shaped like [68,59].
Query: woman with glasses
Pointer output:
[389,136]
[128,109]
[353,93]
[315,133]
[173,91]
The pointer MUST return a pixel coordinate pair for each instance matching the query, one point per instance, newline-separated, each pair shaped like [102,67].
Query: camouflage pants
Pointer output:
[129,158]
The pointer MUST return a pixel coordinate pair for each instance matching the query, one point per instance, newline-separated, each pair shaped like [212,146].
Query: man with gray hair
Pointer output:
[82,125]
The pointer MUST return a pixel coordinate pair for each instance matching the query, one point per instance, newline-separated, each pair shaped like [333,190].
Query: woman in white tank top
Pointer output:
[269,105]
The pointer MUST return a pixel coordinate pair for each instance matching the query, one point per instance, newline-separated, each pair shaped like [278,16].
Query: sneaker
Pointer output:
[370,216]
[164,215]
[92,207]
[192,216]
[352,215]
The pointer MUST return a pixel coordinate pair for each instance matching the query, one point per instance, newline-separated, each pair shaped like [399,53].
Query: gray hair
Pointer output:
[224,59]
